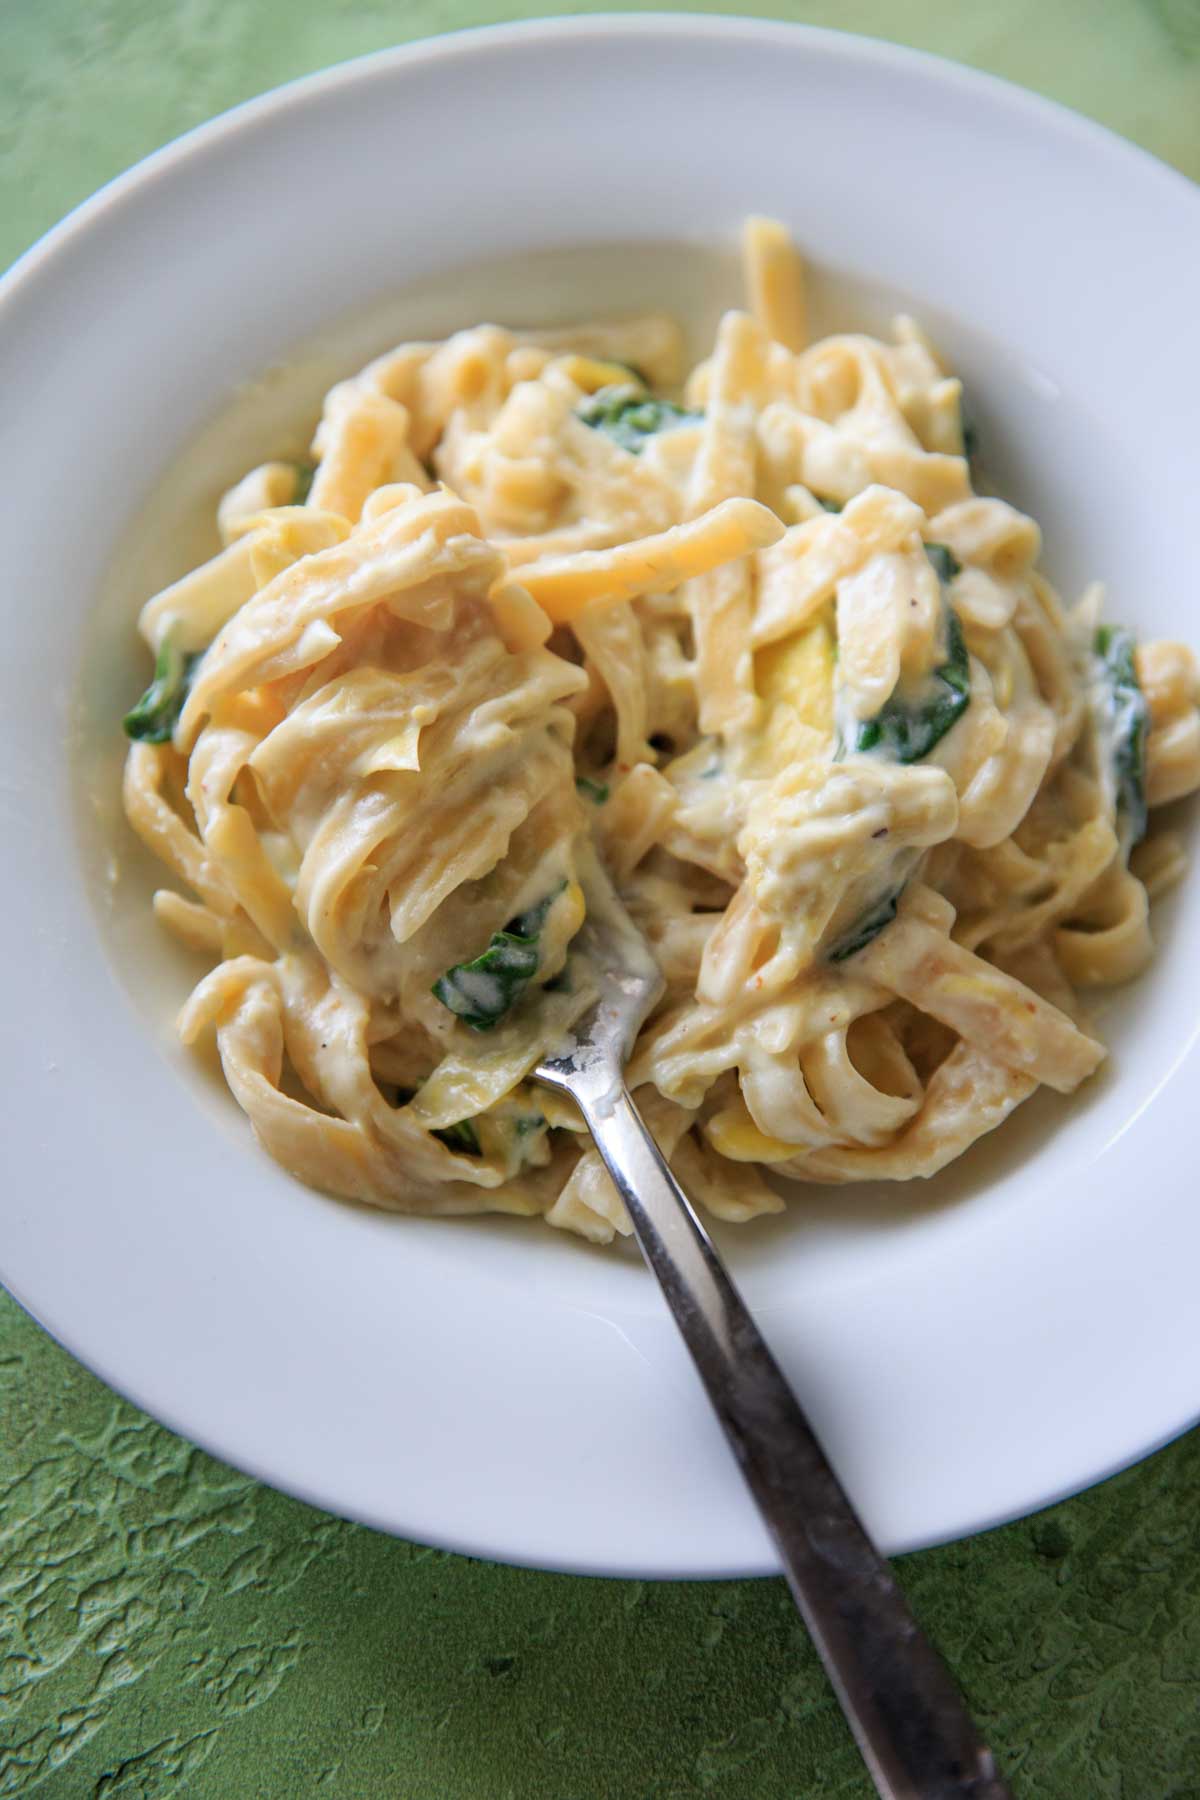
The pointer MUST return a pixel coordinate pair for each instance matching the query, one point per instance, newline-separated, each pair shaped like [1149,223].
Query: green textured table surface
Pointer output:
[168,1627]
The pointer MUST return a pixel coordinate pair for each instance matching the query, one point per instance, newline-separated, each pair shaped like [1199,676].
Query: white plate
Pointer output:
[969,1350]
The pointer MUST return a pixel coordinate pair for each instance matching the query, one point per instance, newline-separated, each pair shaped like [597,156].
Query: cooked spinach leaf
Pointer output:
[908,726]
[1122,722]
[945,564]
[154,718]
[461,1137]
[629,416]
[831,506]
[865,928]
[529,924]
[482,991]
[907,729]
[596,791]
[304,480]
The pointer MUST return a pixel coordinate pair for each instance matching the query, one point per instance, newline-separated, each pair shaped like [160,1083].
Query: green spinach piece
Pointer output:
[304,480]
[945,564]
[464,1139]
[908,730]
[629,416]
[1123,721]
[595,791]
[461,1137]
[865,928]
[481,992]
[831,506]
[154,718]
[529,924]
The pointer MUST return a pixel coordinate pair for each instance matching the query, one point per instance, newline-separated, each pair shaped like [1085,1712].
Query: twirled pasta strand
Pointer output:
[761,657]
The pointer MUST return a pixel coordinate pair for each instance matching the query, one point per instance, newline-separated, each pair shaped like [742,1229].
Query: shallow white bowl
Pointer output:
[968,1350]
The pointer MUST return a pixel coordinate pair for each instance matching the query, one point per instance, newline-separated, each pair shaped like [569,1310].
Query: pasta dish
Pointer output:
[544,617]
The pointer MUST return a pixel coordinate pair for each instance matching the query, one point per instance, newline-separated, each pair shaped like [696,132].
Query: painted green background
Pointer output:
[169,1628]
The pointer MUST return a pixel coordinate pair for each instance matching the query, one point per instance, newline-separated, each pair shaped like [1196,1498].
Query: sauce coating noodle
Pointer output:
[542,612]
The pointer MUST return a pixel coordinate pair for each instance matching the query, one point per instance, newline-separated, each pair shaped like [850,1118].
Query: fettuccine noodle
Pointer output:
[759,656]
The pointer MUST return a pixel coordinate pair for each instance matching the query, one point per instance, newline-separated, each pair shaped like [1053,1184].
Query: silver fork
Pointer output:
[916,1736]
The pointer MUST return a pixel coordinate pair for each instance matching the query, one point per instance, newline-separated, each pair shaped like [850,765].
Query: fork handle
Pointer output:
[913,1729]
